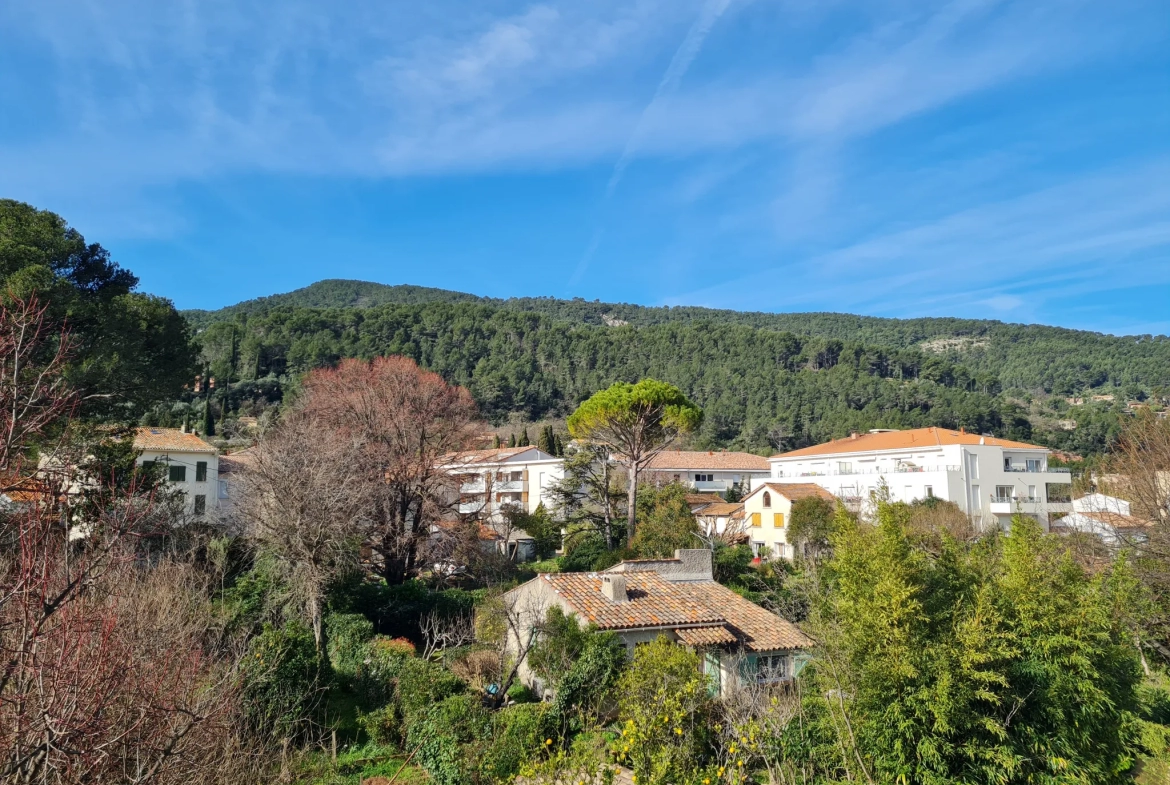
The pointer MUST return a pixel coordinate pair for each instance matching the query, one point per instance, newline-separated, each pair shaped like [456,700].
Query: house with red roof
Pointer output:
[639,600]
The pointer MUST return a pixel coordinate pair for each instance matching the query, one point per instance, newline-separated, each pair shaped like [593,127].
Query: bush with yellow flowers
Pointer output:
[664,713]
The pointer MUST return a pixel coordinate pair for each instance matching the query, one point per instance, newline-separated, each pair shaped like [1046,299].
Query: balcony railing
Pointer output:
[883,470]
[1041,470]
[1014,500]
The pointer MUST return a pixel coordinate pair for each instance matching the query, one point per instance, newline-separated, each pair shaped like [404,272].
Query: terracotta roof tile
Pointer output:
[916,438]
[703,498]
[706,636]
[724,461]
[169,440]
[653,601]
[793,490]
[756,628]
[492,455]
[721,509]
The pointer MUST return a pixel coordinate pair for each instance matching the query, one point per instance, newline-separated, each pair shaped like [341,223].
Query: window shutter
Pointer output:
[778,520]
[756,519]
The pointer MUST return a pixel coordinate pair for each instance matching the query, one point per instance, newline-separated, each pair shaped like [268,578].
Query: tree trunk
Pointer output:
[318,632]
[633,499]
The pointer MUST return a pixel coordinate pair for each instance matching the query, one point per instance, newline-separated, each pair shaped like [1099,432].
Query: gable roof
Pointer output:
[169,440]
[493,455]
[793,491]
[652,601]
[916,438]
[720,509]
[701,613]
[720,461]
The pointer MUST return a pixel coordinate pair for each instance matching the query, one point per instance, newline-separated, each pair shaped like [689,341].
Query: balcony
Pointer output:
[1007,505]
[1041,470]
[509,486]
[902,469]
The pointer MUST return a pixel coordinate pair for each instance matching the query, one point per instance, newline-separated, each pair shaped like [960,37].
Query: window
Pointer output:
[778,520]
[771,667]
[930,491]
[1004,492]
[1032,493]
[201,471]
[1033,465]
[704,478]
[178,474]
[973,466]
[759,549]
[223,489]
[200,504]
[756,519]
[1007,464]
[767,499]
[844,467]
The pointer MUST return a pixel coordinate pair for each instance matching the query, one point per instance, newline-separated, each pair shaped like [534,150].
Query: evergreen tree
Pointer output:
[512,440]
[496,441]
[524,439]
[544,442]
[208,418]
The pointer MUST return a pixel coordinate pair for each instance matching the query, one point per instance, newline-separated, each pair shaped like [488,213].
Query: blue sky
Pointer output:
[1004,160]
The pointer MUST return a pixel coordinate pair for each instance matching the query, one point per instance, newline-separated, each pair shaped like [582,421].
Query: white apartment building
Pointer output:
[192,465]
[707,471]
[987,477]
[491,479]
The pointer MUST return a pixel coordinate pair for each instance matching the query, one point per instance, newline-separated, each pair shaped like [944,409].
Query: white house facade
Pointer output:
[190,465]
[989,478]
[714,472]
[491,479]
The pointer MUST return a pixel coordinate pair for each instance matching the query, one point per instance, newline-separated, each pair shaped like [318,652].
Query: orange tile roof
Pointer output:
[720,509]
[703,498]
[725,461]
[169,440]
[793,491]
[904,440]
[701,613]
[756,628]
[653,601]
[699,637]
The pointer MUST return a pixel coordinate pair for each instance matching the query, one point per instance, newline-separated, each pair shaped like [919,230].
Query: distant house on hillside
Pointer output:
[191,465]
[706,472]
[639,600]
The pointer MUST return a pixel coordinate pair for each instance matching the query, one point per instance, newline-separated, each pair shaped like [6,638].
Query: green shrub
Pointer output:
[518,734]
[375,675]
[665,711]
[396,610]
[347,635]
[520,693]
[588,683]
[283,681]
[441,734]
[580,557]
[562,639]
[421,683]
[383,726]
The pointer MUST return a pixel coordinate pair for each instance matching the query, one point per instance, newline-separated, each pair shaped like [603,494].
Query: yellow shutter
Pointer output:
[756,519]
[778,520]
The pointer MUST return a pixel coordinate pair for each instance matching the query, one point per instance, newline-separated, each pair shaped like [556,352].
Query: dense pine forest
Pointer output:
[766,381]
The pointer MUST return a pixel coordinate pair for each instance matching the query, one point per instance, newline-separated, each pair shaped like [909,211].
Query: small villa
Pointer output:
[677,597]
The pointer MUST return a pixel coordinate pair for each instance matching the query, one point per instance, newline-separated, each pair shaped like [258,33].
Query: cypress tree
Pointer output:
[524,439]
[545,441]
[512,440]
[496,441]
[208,418]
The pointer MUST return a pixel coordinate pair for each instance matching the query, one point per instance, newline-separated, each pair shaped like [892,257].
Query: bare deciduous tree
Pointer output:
[441,632]
[410,423]
[303,500]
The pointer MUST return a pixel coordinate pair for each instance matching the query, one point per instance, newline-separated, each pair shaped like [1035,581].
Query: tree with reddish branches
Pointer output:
[407,421]
[111,670]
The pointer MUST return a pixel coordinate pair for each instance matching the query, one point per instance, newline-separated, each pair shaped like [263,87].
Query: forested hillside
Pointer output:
[1029,357]
[760,389]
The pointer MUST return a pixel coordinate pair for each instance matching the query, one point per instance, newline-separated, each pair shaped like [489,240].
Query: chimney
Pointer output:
[694,564]
[613,586]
